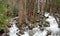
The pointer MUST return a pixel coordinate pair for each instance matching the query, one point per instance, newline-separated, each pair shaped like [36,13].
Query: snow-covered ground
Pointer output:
[37,32]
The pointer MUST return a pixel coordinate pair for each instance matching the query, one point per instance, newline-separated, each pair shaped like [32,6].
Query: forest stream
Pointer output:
[29,18]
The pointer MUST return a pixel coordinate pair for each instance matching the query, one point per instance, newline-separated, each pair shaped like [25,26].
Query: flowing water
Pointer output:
[36,31]
[13,30]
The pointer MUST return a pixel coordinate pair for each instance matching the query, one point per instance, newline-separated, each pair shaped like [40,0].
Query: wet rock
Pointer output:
[46,24]
[21,32]
[59,25]
[18,34]
[9,26]
[1,32]
[30,27]
[40,25]
[31,33]
[35,25]
[48,33]
[42,29]
[47,17]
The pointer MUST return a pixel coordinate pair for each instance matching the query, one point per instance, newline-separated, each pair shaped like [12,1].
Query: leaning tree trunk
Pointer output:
[21,6]
[22,15]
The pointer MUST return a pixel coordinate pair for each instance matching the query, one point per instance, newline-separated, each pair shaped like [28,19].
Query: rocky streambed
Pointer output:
[39,30]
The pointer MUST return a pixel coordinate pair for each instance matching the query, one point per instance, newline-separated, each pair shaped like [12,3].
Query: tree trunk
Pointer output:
[21,6]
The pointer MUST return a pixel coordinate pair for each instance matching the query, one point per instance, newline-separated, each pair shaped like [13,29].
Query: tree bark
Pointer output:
[21,6]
